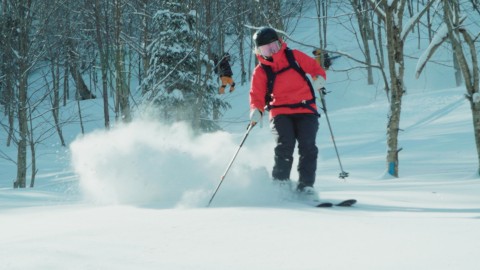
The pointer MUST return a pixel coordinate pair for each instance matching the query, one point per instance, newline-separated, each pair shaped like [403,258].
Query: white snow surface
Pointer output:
[135,197]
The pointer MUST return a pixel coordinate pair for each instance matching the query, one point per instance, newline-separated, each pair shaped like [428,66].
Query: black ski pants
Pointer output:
[287,130]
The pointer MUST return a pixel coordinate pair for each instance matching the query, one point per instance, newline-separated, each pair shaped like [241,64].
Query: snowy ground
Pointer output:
[137,199]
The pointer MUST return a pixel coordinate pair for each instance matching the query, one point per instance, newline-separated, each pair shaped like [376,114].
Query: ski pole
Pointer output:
[249,127]
[343,173]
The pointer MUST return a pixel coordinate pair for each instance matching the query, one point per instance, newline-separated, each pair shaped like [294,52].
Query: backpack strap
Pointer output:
[293,63]
[271,81]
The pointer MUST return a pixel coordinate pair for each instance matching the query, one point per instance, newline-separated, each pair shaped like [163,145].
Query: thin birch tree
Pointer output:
[392,13]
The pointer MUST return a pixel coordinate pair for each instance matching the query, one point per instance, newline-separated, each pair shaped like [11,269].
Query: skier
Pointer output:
[225,73]
[290,98]
[319,56]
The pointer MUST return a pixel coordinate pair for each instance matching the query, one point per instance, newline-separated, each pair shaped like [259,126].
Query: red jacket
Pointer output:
[289,86]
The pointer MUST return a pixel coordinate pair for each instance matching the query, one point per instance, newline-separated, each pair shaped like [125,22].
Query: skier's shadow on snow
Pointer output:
[412,209]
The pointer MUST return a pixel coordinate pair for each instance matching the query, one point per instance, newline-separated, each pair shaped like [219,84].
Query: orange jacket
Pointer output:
[289,86]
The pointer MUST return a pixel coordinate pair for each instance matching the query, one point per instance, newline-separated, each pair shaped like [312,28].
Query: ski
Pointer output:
[345,203]
[325,204]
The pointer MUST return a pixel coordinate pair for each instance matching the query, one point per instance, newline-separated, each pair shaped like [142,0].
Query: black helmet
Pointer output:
[264,36]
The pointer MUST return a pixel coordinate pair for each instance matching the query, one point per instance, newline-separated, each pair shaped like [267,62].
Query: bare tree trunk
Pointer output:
[240,29]
[66,85]
[324,23]
[471,75]
[7,96]
[103,60]
[80,117]
[475,106]
[393,24]
[145,40]
[321,20]
[10,110]
[122,106]
[377,44]
[392,14]
[363,25]
[23,16]
[456,66]
[83,92]
[380,42]
[473,89]
[197,94]
[34,166]
[55,72]
[275,14]
[23,129]
[458,71]
[209,22]
[32,144]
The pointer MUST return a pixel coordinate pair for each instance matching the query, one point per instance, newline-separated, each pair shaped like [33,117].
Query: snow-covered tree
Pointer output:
[392,14]
[455,29]
[178,80]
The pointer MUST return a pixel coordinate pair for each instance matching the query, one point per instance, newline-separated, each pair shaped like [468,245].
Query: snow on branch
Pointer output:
[437,40]
[380,12]
[414,19]
[440,36]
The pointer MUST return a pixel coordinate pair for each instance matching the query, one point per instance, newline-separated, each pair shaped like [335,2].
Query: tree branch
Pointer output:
[438,39]
[380,12]
[473,52]
[414,20]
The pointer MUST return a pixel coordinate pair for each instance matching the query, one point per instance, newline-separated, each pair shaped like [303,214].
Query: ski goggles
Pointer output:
[269,49]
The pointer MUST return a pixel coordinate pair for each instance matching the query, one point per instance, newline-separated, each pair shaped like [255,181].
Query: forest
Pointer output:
[158,55]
